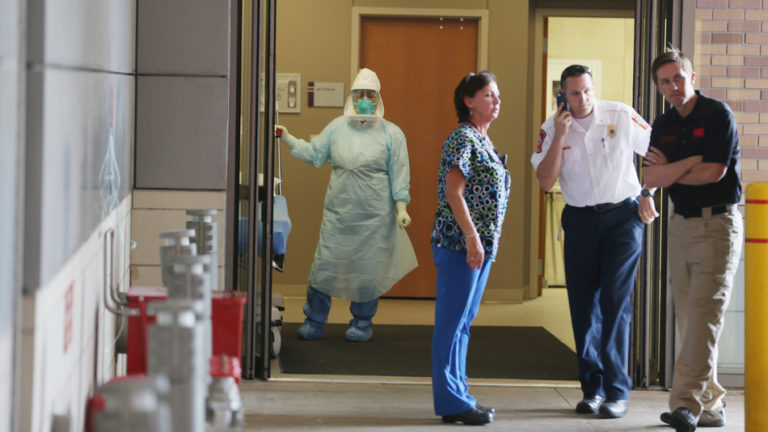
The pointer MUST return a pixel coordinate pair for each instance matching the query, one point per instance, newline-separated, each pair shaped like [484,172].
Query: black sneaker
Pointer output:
[472,416]
[682,419]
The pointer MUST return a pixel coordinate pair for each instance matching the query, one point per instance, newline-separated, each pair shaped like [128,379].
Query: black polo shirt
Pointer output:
[710,131]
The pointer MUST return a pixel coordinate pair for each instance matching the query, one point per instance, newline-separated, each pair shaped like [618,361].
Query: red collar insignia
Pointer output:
[542,136]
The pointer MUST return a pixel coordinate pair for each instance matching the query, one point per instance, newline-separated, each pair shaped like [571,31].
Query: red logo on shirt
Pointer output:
[667,139]
[542,136]
[698,133]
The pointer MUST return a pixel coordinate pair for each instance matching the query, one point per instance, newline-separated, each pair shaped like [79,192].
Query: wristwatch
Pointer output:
[646,193]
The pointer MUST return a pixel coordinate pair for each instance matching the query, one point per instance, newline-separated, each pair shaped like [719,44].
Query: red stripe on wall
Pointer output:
[754,201]
[756,240]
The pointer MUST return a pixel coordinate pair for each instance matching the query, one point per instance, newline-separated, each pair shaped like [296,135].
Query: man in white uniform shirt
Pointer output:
[590,146]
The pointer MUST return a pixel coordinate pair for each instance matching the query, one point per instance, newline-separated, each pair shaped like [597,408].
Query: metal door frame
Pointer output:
[260,138]
[657,24]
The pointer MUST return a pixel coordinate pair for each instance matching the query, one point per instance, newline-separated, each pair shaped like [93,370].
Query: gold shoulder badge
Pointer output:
[612,130]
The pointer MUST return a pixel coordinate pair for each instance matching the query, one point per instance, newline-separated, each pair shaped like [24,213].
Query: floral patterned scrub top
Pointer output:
[486,191]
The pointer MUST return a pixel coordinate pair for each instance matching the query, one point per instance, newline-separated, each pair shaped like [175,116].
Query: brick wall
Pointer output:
[731,64]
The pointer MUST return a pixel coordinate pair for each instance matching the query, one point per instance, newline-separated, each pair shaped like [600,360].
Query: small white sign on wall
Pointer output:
[325,94]
[287,92]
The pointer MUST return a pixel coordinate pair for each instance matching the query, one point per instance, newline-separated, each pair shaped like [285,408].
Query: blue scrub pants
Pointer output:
[319,304]
[601,255]
[459,291]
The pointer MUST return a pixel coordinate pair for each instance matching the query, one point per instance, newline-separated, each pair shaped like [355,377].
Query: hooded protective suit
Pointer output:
[361,252]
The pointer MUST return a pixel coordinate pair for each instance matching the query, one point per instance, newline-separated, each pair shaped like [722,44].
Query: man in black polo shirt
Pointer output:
[695,153]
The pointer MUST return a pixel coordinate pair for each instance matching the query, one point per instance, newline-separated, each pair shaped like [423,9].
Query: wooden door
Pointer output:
[419,62]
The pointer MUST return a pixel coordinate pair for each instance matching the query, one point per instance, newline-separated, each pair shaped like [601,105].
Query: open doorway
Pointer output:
[608,50]
[548,311]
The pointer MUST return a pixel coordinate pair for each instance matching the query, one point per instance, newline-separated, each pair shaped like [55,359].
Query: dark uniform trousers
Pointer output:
[602,249]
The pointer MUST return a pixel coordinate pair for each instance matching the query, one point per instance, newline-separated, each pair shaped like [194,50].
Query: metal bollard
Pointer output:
[131,403]
[203,224]
[176,350]
[756,306]
[206,239]
[188,280]
[224,409]
[177,242]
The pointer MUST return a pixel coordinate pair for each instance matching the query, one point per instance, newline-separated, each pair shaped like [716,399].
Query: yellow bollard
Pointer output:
[756,305]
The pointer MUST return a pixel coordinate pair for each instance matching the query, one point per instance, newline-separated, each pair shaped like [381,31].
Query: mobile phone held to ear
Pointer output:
[561,99]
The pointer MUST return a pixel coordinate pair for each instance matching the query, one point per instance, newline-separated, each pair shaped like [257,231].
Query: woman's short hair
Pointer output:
[468,86]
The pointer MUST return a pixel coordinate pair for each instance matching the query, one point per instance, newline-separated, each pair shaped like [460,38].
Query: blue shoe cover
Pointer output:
[355,334]
[310,331]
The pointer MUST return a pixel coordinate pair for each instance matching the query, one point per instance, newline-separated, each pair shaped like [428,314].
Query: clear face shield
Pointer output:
[365,101]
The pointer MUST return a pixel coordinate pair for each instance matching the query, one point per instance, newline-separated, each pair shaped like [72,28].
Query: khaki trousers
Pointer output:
[703,256]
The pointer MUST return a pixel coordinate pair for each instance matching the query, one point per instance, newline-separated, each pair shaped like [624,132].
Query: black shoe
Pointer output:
[614,408]
[472,416]
[590,404]
[682,419]
[490,411]
[709,419]
[666,417]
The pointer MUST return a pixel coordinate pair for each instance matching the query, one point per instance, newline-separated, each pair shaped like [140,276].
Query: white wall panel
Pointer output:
[80,161]
[80,111]
[6,374]
[12,63]
[63,366]
[91,34]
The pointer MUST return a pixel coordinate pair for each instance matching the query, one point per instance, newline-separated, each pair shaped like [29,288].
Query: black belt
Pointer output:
[696,212]
[602,208]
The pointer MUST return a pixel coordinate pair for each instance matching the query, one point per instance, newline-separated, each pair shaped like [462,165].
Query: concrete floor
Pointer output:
[365,404]
[292,402]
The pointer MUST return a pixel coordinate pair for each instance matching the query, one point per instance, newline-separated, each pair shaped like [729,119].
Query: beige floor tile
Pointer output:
[366,406]
[291,402]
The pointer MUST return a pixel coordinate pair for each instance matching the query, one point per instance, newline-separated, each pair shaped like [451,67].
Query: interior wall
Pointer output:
[79,125]
[314,39]
[12,66]
[609,42]
[67,335]
[155,211]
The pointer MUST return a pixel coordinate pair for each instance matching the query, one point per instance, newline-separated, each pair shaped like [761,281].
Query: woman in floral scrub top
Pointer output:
[473,187]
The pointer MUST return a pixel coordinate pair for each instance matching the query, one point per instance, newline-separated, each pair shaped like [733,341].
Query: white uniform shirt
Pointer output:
[598,163]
